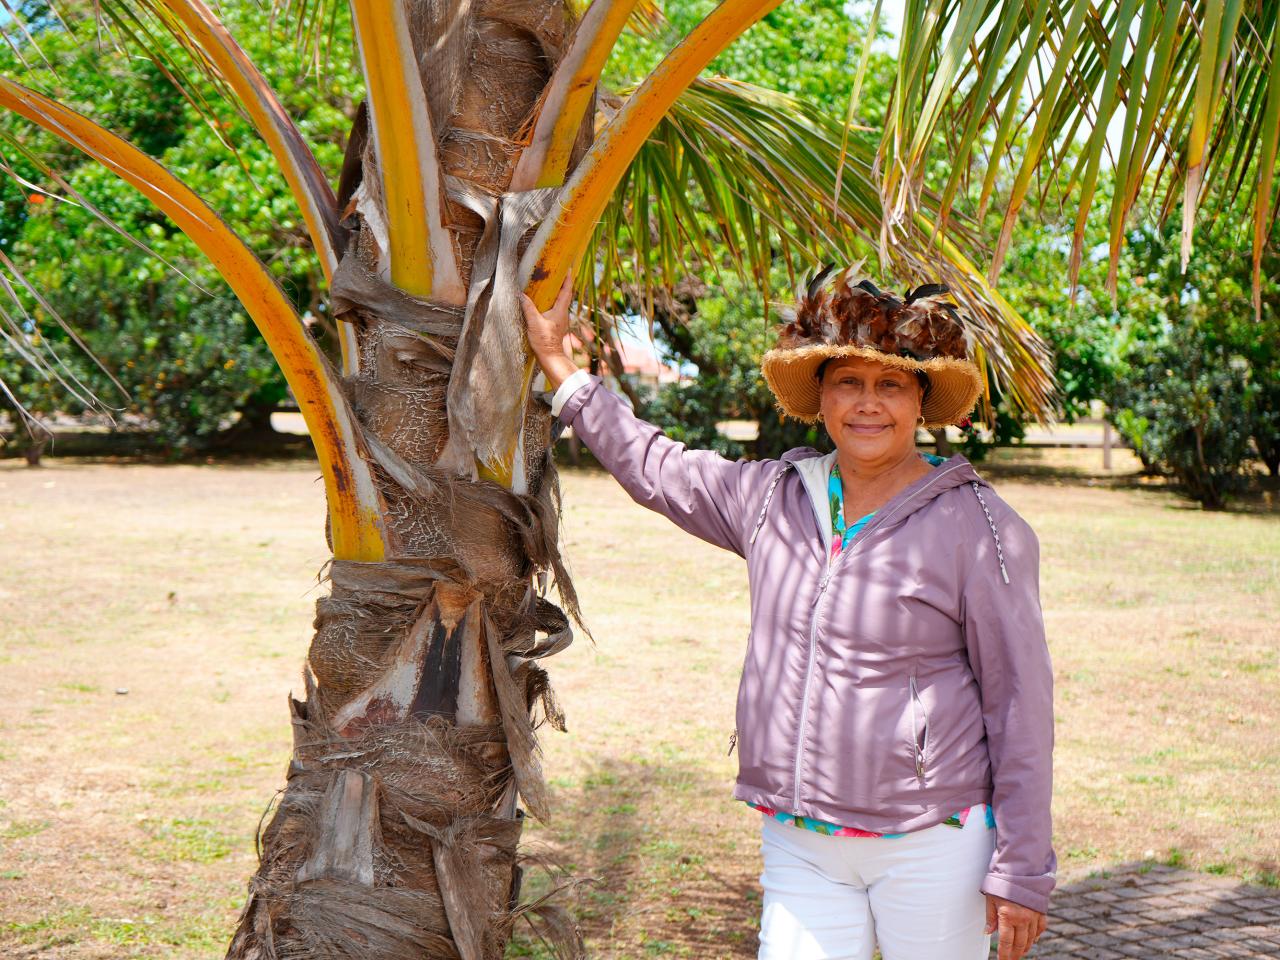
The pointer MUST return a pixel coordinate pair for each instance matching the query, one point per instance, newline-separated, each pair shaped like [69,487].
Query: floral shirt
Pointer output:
[842,536]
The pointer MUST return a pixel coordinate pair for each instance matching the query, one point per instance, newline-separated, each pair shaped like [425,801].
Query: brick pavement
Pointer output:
[1139,910]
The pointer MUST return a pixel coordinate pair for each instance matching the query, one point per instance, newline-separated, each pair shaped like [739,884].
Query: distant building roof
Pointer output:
[637,359]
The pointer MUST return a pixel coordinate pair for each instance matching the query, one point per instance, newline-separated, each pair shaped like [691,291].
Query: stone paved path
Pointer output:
[1155,912]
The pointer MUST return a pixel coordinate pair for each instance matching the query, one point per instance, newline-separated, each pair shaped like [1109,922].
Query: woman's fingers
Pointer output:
[1021,938]
[565,296]
[1008,933]
[1017,927]
[543,333]
[531,312]
[1004,933]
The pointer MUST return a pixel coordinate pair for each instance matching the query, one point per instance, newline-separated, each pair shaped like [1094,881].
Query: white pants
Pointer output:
[834,897]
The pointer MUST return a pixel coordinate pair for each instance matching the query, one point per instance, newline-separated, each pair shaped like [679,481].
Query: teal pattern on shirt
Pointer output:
[841,536]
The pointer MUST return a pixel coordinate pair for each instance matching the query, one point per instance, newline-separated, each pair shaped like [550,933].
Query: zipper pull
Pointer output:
[822,585]
[919,764]
[733,742]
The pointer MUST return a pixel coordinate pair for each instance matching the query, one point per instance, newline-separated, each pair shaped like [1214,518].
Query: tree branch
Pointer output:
[355,505]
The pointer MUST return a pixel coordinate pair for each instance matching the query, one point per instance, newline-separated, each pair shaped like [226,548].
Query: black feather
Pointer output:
[816,283]
[927,290]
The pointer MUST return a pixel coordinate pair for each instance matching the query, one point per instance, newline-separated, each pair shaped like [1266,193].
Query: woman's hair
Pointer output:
[921,377]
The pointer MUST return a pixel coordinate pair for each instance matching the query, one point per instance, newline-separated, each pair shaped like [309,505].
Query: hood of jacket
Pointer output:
[814,469]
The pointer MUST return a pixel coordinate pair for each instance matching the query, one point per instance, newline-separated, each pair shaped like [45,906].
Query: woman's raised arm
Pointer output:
[700,491]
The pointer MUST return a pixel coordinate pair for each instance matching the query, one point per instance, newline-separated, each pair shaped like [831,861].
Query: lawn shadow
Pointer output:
[1143,909]
[658,877]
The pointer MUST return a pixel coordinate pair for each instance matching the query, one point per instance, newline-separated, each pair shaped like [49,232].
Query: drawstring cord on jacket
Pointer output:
[786,465]
[994,532]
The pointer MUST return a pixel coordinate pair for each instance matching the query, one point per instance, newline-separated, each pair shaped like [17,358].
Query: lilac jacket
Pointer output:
[884,690]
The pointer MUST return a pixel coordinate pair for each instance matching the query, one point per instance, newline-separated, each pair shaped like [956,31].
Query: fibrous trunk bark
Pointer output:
[396,834]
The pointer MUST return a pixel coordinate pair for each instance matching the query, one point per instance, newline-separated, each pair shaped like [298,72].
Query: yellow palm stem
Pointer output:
[355,506]
[297,163]
[419,246]
[564,235]
[544,162]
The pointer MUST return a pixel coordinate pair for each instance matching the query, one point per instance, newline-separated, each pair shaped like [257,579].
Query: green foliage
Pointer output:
[1087,334]
[1007,428]
[807,50]
[689,412]
[1266,423]
[186,353]
[1187,404]
[1199,380]
[725,338]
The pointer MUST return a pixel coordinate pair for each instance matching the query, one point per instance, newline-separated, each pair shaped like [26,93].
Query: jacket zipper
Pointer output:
[808,677]
[813,632]
[919,741]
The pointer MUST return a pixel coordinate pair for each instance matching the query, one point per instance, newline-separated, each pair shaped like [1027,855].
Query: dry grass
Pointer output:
[126,819]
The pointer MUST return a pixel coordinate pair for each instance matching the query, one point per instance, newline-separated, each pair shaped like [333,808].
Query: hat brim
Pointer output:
[954,384]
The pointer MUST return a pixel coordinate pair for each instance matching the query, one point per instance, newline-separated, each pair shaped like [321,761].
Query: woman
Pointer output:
[895,721]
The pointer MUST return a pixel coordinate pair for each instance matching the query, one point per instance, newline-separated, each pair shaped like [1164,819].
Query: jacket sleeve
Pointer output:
[1004,634]
[700,491]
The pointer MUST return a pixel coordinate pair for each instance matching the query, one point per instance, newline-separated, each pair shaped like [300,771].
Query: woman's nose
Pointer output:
[866,401]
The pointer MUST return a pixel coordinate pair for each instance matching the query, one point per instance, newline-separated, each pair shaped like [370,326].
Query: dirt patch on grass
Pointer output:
[126,819]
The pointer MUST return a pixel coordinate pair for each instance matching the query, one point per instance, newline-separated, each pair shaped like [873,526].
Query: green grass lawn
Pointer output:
[127,818]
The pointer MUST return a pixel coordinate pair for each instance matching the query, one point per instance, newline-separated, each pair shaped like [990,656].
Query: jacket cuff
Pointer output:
[571,385]
[1000,885]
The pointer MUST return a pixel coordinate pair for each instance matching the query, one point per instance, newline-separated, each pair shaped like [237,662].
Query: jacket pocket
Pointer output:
[919,729]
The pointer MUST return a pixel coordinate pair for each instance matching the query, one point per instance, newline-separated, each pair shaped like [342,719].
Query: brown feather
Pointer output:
[835,310]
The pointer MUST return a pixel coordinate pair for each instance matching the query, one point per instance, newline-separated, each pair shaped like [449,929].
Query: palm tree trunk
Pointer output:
[396,833]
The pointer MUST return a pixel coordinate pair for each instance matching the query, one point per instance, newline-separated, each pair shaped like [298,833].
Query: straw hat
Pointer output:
[924,332]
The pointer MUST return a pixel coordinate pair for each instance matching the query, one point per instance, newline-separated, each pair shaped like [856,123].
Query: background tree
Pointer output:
[1195,385]
[158,318]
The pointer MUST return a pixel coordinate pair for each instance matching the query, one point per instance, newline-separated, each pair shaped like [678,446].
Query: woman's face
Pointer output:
[870,410]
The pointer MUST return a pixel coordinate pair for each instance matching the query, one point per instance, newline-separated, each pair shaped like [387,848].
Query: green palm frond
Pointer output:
[647,20]
[1176,95]
[742,173]
[148,28]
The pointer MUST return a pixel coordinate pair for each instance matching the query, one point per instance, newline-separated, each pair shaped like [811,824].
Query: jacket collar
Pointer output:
[815,471]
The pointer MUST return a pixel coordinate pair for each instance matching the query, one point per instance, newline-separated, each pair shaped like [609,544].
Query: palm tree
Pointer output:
[487,159]
[1179,94]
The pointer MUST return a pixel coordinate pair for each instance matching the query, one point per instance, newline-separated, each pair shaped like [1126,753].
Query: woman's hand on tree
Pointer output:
[1019,927]
[547,332]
